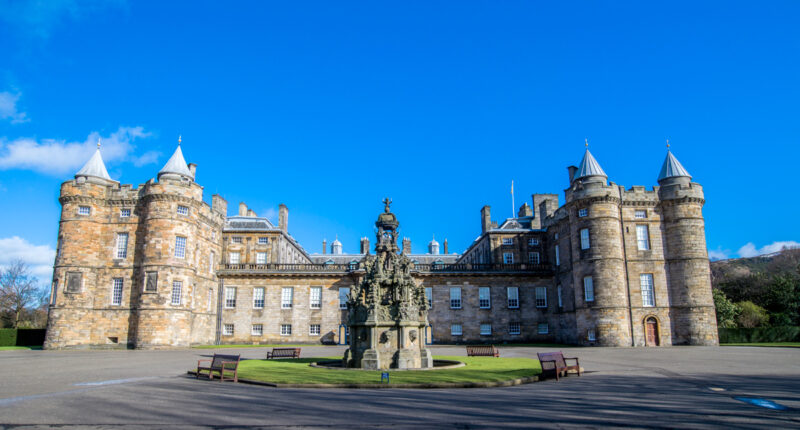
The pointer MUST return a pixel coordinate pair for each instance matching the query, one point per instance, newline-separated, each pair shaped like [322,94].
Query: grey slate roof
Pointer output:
[419,258]
[176,165]
[589,167]
[94,167]
[672,168]
[248,223]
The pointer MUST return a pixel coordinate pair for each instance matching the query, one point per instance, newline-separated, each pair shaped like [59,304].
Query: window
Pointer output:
[591,335]
[513,328]
[234,258]
[180,247]
[183,210]
[314,330]
[588,289]
[455,298]
[640,214]
[227,329]
[533,258]
[541,297]
[286,297]
[315,298]
[513,297]
[533,242]
[543,328]
[261,258]
[211,258]
[508,257]
[508,241]
[236,239]
[263,240]
[151,282]
[648,295]
[484,299]
[286,329]
[258,298]
[429,296]
[343,293]
[210,299]
[585,238]
[230,297]
[213,235]
[176,292]
[84,210]
[486,329]
[455,329]
[642,237]
[122,245]
[124,213]
[74,282]
[583,212]
[560,302]
[257,330]
[116,292]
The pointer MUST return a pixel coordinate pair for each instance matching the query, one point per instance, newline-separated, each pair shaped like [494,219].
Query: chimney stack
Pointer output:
[406,246]
[219,204]
[364,245]
[572,171]
[283,218]
[486,219]
[242,209]
[251,213]
[445,247]
[324,246]
[193,169]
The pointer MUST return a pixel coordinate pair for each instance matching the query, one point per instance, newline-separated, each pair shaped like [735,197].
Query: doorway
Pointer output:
[651,332]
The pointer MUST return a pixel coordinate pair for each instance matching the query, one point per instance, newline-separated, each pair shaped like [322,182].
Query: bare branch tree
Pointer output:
[19,290]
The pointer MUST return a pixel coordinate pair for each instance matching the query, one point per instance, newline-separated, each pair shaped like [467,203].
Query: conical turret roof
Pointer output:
[176,165]
[672,168]
[95,167]
[589,167]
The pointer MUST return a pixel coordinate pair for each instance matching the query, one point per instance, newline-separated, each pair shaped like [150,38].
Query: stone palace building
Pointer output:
[156,266]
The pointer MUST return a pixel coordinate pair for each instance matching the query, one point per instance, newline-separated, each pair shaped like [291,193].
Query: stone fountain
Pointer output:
[388,311]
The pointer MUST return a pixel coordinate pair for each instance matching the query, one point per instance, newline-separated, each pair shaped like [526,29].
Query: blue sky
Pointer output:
[330,106]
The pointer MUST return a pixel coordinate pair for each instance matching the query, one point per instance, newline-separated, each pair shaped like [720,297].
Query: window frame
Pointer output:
[259,259]
[286,329]
[236,240]
[455,302]
[483,332]
[230,298]
[311,329]
[544,325]
[259,294]
[585,239]
[180,245]
[588,289]
[182,210]
[484,302]
[284,303]
[125,213]
[638,212]
[507,241]
[259,332]
[534,255]
[429,296]
[454,332]
[560,296]
[583,212]
[345,296]
[84,210]
[647,284]
[512,302]
[238,257]
[121,251]
[117,284]
[558,256]
[514,328]
[533,241]
[541,299]
[642,237]
[315,304]
[508,258]
[226,331]
[176,286]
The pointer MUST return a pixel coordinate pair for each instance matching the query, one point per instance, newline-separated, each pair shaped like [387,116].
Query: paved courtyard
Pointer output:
[645,387]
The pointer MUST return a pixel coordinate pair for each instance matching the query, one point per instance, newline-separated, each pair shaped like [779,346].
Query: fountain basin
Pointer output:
[437,365]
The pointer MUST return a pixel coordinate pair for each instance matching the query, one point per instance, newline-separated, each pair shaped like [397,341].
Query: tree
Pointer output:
[727,311]
[752,315]
[19,292]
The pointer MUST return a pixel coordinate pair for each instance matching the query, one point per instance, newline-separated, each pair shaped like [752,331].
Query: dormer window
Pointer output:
[183,210]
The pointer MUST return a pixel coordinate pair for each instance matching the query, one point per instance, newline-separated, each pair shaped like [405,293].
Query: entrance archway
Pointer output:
[651,337]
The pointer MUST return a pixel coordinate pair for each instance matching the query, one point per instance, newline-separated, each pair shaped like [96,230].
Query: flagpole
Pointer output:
[513,207]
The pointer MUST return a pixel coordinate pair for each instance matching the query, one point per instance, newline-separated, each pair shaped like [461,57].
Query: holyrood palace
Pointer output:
[156,266]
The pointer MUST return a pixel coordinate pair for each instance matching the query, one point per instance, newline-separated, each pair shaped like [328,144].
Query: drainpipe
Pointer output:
[218,331]
[625,261]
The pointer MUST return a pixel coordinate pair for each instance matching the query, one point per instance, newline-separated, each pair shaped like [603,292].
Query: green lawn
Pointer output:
[15,348]
[249,345]
[477,369]
[773,344]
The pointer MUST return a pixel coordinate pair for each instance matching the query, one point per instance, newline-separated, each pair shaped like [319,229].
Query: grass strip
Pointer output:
[766,344]
[477,369]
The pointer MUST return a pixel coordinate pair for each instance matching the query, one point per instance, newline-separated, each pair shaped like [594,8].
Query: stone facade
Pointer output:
[641,254]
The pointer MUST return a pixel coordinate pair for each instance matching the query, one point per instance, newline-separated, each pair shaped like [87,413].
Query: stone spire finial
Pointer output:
[98,142]
[179,140]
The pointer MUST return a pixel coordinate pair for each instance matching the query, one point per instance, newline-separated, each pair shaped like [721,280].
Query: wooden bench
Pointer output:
[283,353]
[482,351]
[555,362]
[220,363]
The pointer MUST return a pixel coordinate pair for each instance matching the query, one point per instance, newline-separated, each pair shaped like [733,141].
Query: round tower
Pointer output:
[689,274]
[178,250]
[598,274]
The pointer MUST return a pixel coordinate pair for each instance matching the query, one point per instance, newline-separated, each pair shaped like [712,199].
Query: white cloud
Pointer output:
[718,254]
[750,250]
[37,17]
[8,108]
[59,157]
[39,258]
[148,157]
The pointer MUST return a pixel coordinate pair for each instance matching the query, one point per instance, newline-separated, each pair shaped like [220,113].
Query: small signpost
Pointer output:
[385,376]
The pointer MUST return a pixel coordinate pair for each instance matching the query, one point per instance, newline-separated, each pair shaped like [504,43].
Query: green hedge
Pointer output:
[8,337]
[759,335]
